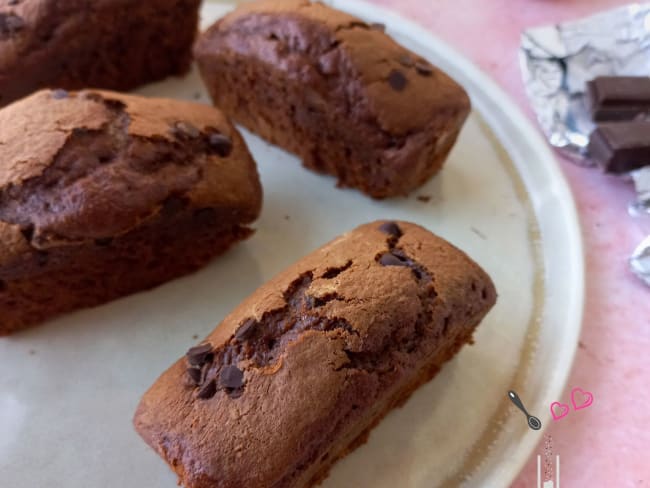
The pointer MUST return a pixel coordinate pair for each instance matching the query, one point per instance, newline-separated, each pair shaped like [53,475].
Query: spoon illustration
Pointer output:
[533,422]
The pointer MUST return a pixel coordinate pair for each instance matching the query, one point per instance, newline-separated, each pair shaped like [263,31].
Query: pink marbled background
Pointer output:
[608,444]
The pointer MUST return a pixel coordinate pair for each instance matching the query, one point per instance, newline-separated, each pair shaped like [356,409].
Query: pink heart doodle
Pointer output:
[580,398]
[563,410]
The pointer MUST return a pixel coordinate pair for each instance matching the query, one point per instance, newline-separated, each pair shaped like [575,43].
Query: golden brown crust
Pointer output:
[326,348]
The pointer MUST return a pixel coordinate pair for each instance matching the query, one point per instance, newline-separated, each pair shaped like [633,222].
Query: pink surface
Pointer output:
[607,444]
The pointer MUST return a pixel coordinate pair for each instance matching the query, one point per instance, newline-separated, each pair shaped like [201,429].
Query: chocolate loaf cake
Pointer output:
[103,194]
[75,44]
[297,375]
[334,90]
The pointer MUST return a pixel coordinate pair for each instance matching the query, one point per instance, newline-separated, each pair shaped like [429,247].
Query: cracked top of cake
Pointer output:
[382,82]
[90,165]
[310,350]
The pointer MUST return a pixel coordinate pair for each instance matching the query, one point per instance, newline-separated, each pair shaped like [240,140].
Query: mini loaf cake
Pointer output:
[103,194]
[339,93]
[74,44]
[297,375]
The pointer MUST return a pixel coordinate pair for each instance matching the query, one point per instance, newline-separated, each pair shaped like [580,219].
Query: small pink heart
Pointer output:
[562,410]
[580,398]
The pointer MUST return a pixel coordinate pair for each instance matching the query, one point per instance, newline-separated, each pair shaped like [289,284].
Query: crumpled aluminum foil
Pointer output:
[640,260]
[641,179]
[558,60]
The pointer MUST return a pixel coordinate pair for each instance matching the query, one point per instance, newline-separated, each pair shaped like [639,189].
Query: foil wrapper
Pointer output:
[558,60]
[640,261]
[556,63]
[641,179]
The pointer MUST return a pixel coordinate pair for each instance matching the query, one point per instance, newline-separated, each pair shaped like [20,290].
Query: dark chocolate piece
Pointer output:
[618,97]
[195,375]
[406,60]
[10,24]
[199,355]
[245,330]
[208,390]
[391,228]
[390,259]
[397,80]
[222,145]
[104,241]
[620,147]
[231,377]
[423,68]
[185,129]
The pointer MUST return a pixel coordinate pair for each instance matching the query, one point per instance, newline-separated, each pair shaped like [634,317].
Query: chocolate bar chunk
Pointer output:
[619,97]
[620,147]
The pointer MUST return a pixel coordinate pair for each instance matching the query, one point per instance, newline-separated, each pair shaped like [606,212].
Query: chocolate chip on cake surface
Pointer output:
[390,259]
[208,390]
[174,204]
[406,60]
[391,228]
[397,80]
[104,241]
[10,24]
[59,94]
[199,355]
[245,330]
[221,144]
[231,377]
[423,68]
[185,129]
[195,375]
[235,393]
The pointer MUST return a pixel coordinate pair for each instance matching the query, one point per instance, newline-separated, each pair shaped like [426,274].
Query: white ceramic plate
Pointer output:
[68,389]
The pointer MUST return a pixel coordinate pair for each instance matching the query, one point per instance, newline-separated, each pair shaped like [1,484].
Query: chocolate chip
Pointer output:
[185,129]
[27,232]
[10,24]
[208,390]
[42,258]
[423,68]
[391,228]
[245,330]
[358,23]
[205,214]
[104,241]
[221,144]
[3,286]
[406,60]
[231,377]
[59,94]
[389,259]
[378,26]
[199,355]
[397,80]
[173,204]
[235,393]
[13,2]
[195,375]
